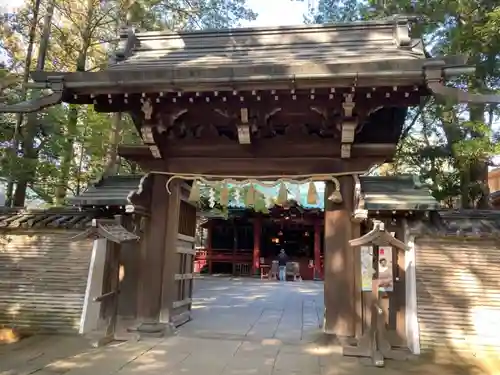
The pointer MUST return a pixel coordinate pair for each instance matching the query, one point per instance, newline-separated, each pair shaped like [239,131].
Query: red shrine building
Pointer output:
[247,242]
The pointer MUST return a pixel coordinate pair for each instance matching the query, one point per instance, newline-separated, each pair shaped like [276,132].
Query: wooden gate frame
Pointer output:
[374,343]
[113,231]
[178,275]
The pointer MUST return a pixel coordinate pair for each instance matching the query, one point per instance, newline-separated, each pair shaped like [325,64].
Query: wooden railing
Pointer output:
[224,255]
[239,257]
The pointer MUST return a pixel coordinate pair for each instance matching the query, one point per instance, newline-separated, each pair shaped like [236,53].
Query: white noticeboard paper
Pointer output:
[385,277]
[366,268]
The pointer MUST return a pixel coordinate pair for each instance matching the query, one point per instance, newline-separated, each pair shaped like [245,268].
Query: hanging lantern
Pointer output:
[224,196]
[194,194]
[312,194]
[250,198]
[282,195]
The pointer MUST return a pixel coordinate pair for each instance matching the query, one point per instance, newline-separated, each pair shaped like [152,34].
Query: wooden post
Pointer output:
[339,281]
[152,253]
[374,343]
[210,228]
[358,294]
[170,259]
[317,251]
[257,229]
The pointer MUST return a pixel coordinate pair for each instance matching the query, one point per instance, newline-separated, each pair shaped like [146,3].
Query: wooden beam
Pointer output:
[260,149]
[270,166]
[252,167]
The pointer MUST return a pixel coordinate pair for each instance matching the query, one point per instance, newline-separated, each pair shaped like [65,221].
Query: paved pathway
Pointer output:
[250,309]
[240,327]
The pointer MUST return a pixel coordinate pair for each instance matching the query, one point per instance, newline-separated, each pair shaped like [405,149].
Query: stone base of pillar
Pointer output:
[317,276]
[152,329]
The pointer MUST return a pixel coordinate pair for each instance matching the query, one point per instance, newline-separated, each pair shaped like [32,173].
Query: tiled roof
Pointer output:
[463,223]
[396,193]
[273,52]
[65,218]
[109,191]
[380,193]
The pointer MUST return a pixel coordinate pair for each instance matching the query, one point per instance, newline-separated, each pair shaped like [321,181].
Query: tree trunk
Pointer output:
[27,67]
[80,159]
[111,167]
[72,128]
[479,169]
[28,135]
[67,155]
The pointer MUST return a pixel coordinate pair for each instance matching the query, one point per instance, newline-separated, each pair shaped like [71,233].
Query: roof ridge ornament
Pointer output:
[126,43]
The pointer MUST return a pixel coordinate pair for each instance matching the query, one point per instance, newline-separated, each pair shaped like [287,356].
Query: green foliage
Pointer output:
[59,151]
[449,146]
[182,15]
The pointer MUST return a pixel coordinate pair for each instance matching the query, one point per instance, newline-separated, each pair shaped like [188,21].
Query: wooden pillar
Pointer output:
[210,228]
[171,257]
[151,255]
[317,251]
[257,230]
[357,289]
[235,246]
[338,262]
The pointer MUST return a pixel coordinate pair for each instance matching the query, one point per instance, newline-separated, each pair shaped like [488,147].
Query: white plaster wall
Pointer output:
[91,309]
[412,328]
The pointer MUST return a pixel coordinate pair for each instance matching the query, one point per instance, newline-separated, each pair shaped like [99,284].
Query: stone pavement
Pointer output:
[250,309]
[240,327]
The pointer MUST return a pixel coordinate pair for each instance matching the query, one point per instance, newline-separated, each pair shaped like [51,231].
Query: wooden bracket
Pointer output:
[148,138]
[244,135]
[348,127]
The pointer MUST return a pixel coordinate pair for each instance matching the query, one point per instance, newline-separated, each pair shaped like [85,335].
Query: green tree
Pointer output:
[62,149]
[449,145]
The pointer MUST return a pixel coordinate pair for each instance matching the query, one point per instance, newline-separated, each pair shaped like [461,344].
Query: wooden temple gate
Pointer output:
[302,104]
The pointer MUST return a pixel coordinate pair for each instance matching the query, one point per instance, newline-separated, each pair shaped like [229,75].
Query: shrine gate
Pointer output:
[301,104]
